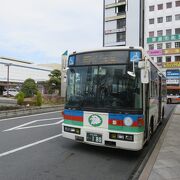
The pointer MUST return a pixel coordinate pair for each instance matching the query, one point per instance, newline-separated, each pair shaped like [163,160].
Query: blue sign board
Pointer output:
[72,60]
[135,56]
[173,73]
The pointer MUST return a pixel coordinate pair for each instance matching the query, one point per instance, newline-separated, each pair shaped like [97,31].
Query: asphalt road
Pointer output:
[32,148]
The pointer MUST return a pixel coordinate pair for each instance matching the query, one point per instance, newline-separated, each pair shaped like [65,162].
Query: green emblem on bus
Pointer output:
[95,120]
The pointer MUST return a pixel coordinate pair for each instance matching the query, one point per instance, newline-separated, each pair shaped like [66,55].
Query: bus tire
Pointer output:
[151,127]
[162,117]
[150,131]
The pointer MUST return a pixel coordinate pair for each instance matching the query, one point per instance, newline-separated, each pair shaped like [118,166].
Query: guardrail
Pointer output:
[29,111]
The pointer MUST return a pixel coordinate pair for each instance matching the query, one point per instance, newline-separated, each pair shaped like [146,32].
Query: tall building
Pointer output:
[123,23]
[162,38]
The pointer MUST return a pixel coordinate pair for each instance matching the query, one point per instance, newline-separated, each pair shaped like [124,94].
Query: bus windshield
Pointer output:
[104,87]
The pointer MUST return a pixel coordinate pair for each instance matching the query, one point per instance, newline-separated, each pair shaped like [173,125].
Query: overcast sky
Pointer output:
[41,30]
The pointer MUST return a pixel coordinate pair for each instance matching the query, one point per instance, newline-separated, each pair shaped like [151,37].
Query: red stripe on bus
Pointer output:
[74,118]
[121,123]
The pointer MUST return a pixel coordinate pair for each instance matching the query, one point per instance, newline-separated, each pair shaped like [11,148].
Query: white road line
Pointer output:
[29,145]
[21,117]
[31,122]
[42,125]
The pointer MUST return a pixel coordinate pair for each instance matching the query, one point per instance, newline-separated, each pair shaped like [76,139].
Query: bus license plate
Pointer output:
[92,137]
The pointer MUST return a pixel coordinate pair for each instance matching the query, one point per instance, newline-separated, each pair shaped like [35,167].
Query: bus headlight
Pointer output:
[128,121]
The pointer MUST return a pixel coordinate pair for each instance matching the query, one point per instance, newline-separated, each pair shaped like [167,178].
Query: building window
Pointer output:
[168,32]
[177,17]
[177,58]
[159,59]
[159,46]
[177,44]
[151,8]
[121,37]
[160,20]
[151,34]
[168,45]
[152,58]
[160,6]
[121,23]
[177,31]
[177,3]
[168,18]
[160,33]
[121,9]
[168,58]
[169,5]
[151,46]
[151,21]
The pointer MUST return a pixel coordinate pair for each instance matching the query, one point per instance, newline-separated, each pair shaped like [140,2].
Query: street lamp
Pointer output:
[8,65]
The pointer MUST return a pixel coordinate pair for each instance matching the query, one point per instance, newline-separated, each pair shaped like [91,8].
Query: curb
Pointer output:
[145,167]
[29,111]
[152,159]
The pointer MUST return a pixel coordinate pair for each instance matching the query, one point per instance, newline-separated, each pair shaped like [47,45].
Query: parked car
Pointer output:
[12,92]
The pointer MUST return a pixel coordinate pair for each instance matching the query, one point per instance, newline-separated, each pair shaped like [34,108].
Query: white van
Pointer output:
[12,92]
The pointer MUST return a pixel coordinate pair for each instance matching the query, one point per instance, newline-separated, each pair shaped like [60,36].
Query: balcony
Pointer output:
[121,2]
[119,16]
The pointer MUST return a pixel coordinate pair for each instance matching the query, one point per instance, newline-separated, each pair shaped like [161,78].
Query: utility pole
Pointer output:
[8,65]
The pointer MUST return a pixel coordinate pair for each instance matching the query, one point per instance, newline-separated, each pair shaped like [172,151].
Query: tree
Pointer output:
[54,82]
[39,99]
[20,98]
[29,88]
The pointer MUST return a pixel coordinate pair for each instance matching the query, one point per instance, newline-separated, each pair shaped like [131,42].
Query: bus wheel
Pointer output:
[150,132]
[162,117]
[151,128]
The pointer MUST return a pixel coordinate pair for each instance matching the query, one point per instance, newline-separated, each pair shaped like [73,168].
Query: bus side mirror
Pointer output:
[144,76]
[144,66]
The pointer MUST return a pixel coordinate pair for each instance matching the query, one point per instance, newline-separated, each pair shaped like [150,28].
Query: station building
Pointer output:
[14,72]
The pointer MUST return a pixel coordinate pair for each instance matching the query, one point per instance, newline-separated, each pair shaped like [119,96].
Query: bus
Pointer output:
[115,98]
[173,94]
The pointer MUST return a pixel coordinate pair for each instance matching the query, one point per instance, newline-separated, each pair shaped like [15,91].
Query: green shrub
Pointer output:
[20,98]
[39,99]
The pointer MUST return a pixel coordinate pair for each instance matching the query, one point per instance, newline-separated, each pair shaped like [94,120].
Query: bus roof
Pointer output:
[107,49]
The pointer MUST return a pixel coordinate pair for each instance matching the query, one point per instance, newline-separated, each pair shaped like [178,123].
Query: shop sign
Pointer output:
[171,51]
[172,81]
[157,52]
[173,73]
[174,37]
[171,64]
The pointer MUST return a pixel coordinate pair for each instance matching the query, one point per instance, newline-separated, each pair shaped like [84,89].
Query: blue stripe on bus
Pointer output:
[122,116]
[73,112]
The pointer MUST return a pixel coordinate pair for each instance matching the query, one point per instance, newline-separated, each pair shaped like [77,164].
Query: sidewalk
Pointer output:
[164,163]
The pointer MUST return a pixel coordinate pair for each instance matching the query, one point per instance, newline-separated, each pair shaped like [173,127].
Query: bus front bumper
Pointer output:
[104,137]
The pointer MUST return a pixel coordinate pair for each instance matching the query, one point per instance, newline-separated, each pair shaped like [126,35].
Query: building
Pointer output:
[123,23]
[162,38]
[14,72]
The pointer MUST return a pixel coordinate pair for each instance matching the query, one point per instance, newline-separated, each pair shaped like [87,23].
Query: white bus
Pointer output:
[115,97]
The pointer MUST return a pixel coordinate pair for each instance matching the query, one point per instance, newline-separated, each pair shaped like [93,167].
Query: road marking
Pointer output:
[29,145]
[22,126]
[42,125]
[21,117]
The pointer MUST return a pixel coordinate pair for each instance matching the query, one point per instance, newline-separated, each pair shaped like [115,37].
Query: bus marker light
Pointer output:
[129,137]
[113,136]
[140,122]
[120,136]
[72,130]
